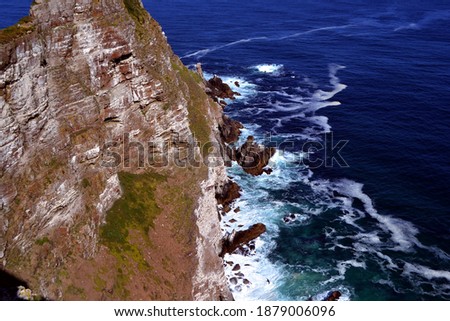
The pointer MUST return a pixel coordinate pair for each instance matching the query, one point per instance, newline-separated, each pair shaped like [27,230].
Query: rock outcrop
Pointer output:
[237,239]
[90,90]
[216,88]
[253,157]
[230,129]
[227,194]
[333,296]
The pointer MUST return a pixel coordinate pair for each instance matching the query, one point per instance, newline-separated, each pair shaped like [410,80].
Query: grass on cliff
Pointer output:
[197,109]
[19,29]
[136,209]
[137,12]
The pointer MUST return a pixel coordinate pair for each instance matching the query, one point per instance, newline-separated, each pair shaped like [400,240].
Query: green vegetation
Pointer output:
[100,284]
[198,79]
[42,241]
[85,183]
[19,29]
[137,12]
[75,291]
[197,109]
[184,207]
[136,210]
[130,218]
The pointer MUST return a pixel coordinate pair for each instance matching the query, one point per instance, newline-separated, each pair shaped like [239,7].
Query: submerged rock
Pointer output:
[291,218]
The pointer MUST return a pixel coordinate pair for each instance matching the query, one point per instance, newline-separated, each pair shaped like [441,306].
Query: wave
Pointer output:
[301,106]
[428,19]
[203,52]
[303,33]
[425,272]
[371,241]
[269,69]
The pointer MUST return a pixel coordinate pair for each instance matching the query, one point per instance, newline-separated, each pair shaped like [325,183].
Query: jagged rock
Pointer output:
[219,89]
[239,238]
[229,192]
[253,157]
[233,281]
[199,69]
[237,267]
[333,296]
[236,83]
[230,129]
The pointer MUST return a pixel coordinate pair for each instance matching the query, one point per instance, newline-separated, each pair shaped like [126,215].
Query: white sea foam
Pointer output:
[345,294]
[402,233]
[269,68]
[298,34]
[203,52]
[425,272]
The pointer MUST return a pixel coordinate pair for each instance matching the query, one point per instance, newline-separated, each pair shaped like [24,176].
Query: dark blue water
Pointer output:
[378,229]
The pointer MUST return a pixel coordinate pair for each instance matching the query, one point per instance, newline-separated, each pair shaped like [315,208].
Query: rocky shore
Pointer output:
[254,159]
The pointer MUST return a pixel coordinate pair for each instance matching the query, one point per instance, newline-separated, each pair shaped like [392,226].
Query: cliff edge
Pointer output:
[107,189]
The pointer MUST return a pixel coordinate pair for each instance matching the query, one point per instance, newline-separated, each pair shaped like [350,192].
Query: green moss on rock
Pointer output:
[135,210]
[197,109]
[135,9]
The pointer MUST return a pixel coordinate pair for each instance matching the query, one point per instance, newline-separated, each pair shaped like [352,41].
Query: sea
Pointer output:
[356,96]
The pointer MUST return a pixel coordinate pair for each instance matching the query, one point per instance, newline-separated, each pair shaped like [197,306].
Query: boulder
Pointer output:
[219,89]
[253,157]
[333,296]
[237,239]
[230,130]
[226,195]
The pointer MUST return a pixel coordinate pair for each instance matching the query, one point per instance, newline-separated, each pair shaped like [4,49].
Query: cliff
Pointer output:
[104,190]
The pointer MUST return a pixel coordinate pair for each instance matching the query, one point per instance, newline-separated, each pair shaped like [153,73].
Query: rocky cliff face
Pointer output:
[92,100]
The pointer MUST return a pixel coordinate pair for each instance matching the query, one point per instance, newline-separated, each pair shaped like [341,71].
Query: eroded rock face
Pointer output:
[227,194]
[254,157]
[216,88]
[240,238]
[86,78]
[230,129]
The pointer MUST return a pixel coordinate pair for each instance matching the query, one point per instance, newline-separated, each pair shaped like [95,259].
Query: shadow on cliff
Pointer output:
[8,286]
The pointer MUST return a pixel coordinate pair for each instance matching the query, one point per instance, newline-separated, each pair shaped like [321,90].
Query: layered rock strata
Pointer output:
[92,97]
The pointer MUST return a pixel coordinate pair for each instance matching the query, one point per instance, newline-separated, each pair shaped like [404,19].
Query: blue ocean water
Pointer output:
[374,74]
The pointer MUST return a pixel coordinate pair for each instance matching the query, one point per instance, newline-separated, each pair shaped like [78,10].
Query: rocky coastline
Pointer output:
[254,159]
[80,219]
